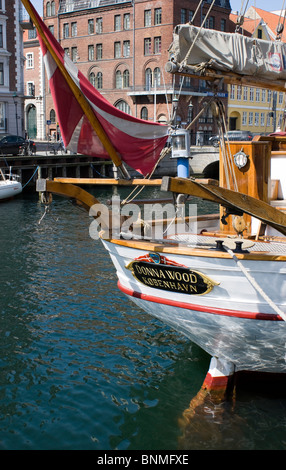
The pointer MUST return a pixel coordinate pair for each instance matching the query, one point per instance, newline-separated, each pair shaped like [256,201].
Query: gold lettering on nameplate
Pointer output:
[167,277]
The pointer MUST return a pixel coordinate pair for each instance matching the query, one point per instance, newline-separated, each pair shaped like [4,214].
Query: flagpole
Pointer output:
[84,104]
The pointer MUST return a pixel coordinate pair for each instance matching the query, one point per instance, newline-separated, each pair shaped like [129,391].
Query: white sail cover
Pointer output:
[229,52]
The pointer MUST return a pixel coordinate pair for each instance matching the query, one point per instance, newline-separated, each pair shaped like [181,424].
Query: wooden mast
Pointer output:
[84,104]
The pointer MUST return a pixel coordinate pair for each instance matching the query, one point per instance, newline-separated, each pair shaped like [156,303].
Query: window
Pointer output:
[259,33]
[66,30]
[2,115]
[223,25]
[52,29]
[91,52]
[126,79]
[157,45]
[92,78]
[1,35]
[144,113]
[148,79]
[118,79]
[183,15]
[262,119]
[117,22]
[48,9]
[32,33]
[74,29]
[256,119]
[117,49]
[67,51]
[244,118]
[257,94]
[30,60]
[126,48]
[191,14]
[268,120]
[147,18]
[263,99]
[126,21]
[53,8]
[98,25]
[280,97]
[91,26]
[74,54]
[52,116]
[268,96]
[158,16]
[123,106]
[245,93]
[210,22]
[232,90]
[99,81]
[238,92]
[251,94]
[98,51]
[30,89]
[250,119]
[157,76]
[1,73]
[147,46]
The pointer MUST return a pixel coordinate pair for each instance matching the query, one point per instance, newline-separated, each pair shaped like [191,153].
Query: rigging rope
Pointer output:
[184,61]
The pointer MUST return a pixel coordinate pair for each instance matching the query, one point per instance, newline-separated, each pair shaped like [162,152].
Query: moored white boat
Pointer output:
[10,186]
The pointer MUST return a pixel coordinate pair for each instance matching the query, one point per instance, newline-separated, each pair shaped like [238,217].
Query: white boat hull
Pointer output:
[9,189]
[232,321]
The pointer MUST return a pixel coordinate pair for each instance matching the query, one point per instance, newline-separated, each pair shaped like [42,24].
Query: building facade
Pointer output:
[34,86]
[11,67]
[258,110]
[122,48]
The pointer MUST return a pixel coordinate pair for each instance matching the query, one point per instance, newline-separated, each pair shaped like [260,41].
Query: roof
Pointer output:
[255,17]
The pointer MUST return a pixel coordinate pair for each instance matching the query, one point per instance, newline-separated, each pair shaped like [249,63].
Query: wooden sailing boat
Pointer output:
[223,287]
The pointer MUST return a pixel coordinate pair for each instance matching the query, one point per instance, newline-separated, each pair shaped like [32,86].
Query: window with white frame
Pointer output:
[30,60]
[126,48]
[244,118]
[30,88]
[250,118]
[256,119]
[126,21]
[74,29]
[245,93]
[257,94]
[263,95]
[2,115]
[251,94]
[262,119]
[238,92]
[147,18]
[280,97]
[232,92]
[98,27]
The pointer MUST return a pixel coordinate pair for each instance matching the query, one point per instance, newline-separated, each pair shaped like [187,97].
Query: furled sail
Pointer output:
[207,49]
[137,142]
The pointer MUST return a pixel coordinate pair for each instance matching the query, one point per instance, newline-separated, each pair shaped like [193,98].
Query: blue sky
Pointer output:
[235,4]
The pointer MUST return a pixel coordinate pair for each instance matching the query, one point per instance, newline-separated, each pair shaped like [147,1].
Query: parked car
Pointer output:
[231,135]
[15,145]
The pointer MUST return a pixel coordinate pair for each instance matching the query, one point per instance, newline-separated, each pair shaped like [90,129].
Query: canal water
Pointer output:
[82,368]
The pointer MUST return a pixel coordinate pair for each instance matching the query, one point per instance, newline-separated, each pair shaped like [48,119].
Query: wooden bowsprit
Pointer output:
[229,199]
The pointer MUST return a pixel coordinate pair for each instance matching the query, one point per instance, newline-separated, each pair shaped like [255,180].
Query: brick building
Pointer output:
[34,86]
[122,47]
[11,67]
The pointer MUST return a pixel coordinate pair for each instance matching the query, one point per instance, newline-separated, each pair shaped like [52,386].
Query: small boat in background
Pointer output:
[10,185]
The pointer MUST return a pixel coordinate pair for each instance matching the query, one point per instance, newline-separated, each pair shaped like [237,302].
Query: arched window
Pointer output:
[118,79]
[99,81]
[48,9]
[144,113]
[52,116]
[157,76]
[123,106]
[126,79]
[92,78]
[53,8]
[148,79]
